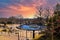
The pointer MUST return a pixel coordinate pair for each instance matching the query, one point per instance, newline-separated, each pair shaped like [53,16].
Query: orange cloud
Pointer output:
[27,8]
[25,11]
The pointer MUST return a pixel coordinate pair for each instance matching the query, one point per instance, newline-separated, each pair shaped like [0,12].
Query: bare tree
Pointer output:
[40,10]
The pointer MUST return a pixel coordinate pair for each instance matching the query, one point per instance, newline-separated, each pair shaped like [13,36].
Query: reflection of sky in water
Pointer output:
[32,27]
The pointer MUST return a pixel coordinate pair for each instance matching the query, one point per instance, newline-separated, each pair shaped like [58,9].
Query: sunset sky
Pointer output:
[26,8]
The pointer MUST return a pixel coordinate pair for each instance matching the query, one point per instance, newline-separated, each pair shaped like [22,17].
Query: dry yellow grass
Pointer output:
[7,37]
[4,38]
[1,29]
[38,36]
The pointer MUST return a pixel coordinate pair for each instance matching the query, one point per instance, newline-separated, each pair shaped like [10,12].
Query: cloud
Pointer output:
[23,10]
[27,8]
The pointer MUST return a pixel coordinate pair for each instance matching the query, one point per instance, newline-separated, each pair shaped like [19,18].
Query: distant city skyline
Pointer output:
[27,8]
